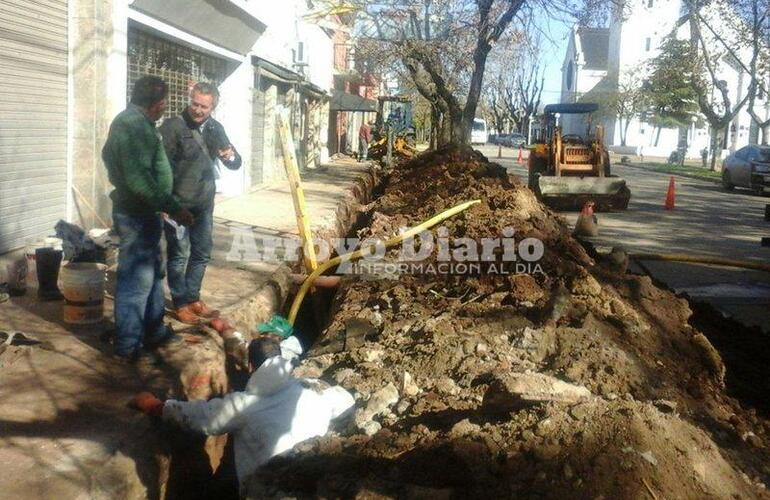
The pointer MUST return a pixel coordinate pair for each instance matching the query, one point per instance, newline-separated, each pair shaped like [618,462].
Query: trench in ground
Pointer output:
[744,351]
[191,475]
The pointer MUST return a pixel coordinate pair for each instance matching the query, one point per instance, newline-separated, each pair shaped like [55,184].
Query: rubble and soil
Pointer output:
[579,380]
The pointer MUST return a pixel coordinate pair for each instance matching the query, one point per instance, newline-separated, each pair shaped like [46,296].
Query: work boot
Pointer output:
[48,261]
[204,311]
[186,314]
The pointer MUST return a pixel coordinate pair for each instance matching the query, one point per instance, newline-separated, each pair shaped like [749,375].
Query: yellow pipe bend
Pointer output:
[395,240]
[701,259]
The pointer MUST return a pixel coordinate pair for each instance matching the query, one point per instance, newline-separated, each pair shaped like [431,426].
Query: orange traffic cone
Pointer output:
[671,195]
[521,158]
[587,223]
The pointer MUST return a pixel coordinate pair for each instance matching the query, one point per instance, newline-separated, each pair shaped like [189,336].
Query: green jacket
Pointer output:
[137,166]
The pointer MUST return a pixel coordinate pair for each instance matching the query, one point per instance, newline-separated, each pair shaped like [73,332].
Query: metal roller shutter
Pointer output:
[33,119]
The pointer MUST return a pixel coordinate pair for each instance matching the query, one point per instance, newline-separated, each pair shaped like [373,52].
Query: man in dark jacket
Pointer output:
[194,141]
[138,168]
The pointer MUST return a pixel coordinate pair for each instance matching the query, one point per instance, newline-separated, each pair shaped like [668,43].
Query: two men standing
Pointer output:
[138,168]
[148,185]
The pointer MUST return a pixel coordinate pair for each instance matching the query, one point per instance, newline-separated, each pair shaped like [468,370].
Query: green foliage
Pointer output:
[670,89]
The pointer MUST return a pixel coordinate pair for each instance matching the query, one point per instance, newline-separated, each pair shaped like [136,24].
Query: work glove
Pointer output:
[278,325]
[147,403]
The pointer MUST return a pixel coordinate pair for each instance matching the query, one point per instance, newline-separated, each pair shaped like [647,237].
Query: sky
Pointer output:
[552,56]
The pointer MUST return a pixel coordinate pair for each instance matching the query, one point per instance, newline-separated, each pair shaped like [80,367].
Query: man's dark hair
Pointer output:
[148,90]
[261,349]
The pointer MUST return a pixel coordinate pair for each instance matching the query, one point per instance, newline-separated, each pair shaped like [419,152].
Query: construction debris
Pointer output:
[569,380]
[508,391]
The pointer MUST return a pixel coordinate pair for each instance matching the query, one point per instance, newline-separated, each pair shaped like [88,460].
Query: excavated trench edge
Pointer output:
[743,349]
[313,316]
[738,345]
[183,459]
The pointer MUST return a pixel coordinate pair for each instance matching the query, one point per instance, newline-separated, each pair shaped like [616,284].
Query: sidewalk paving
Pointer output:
[65,429]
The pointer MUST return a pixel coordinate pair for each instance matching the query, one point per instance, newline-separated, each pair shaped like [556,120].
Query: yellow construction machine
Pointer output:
[567,170]
[394,119]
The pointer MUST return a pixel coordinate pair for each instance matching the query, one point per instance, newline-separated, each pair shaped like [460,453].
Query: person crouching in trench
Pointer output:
[275,412]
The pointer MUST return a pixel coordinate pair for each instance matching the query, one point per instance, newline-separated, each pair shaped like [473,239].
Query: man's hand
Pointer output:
[227,154]
[184,217]
[147,403]
[220,325]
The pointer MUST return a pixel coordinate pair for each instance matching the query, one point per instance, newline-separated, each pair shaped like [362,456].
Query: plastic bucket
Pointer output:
[82,284]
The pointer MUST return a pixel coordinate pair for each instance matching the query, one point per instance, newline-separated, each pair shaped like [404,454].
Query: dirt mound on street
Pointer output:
[570,379]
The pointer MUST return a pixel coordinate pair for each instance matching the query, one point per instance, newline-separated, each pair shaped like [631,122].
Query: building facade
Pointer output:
[592,69]
[67,68]
[354,92]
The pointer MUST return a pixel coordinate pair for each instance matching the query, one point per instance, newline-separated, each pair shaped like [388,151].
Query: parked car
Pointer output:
[500,139]
[749,167]
[515,140]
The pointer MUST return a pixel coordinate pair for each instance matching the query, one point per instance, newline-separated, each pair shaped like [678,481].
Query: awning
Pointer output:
[342,101]
[276,72]
[216,21]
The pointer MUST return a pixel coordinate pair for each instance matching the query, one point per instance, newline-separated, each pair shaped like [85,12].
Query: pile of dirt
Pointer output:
[571,380]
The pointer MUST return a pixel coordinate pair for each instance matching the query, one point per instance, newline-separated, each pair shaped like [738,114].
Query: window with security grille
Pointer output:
[179,66]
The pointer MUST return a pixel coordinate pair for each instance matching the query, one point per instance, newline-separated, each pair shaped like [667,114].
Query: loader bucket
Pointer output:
[571,193]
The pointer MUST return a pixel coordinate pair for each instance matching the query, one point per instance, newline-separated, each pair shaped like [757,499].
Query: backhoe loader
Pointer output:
[568,170]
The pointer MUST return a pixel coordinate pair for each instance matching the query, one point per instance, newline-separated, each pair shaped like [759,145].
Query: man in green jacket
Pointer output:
[138,168]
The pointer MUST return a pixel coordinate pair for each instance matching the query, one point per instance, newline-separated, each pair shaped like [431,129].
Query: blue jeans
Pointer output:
[189,256]
[139,302]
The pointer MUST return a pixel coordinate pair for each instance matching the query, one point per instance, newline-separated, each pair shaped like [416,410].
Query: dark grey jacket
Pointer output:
[195,172]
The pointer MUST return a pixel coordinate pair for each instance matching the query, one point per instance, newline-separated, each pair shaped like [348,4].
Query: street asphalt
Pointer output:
[706,220]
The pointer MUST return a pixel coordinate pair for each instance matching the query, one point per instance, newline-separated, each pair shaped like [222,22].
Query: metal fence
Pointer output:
[180,67]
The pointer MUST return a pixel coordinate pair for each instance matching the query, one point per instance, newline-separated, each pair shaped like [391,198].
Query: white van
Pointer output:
[479,132]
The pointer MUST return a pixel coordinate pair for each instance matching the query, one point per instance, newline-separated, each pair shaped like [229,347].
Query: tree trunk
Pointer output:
[765,133]
[445,136]
[714,143]
[460,133]
[657,136]
[445,129]
[624,132]
[434,126]
[468,112]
